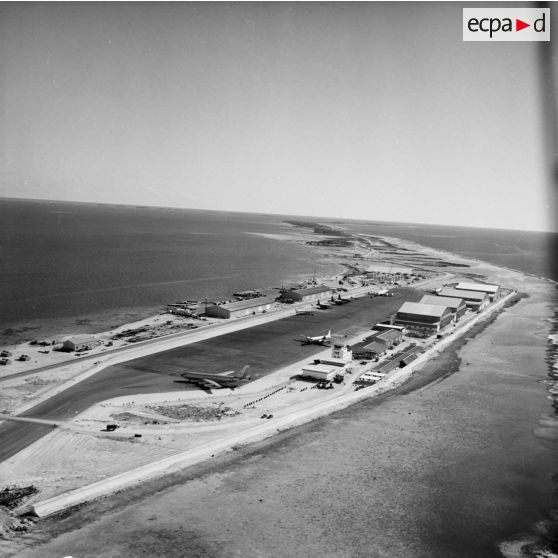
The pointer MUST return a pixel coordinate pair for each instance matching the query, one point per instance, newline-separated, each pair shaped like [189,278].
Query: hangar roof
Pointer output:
[250,303]
[451,302]
[471,295]
[423,309]
[492,289]
[312,290]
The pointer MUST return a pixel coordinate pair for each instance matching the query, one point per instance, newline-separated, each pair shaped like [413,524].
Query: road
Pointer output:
[265,348]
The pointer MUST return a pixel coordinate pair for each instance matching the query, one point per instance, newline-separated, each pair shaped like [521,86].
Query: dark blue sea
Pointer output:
[75,267]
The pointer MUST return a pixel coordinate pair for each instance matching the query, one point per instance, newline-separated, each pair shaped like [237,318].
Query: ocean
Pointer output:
[451,470]
[69,267]
[76,267]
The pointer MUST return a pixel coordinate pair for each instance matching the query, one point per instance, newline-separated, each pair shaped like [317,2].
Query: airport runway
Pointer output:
[265,348]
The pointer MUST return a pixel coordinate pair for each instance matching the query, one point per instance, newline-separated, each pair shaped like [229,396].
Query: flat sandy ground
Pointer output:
[453,464]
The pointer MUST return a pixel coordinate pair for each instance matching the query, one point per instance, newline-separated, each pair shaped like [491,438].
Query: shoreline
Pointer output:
[150,316]
[117,318]
[484,265]
[161,489]
[67,500]
[162,324]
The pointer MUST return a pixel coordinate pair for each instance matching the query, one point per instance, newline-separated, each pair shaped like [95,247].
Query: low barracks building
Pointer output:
[241,308]
[423,319]
[311,294]
[456,305]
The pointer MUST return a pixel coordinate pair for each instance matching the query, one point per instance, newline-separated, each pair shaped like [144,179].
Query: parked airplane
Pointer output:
[322,306]
[318,339]
[340,300]
[230,379]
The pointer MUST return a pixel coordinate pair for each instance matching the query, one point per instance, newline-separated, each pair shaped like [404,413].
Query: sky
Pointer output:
[374,111]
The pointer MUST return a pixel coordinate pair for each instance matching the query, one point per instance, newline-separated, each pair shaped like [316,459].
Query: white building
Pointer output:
[341,352]
[322,372]
[80,343]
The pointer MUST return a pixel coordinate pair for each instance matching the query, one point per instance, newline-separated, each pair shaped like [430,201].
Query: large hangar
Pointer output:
[423,319]
[474,300]
[493,291]
[457,305]
[310,294]
[240,308]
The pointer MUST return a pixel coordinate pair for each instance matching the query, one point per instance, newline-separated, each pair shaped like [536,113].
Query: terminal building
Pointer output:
[423,319]
[326,368]
[474,300]
[310,294]
[240,308]
[456,305]
[341,355]
[493,291]
[341,351]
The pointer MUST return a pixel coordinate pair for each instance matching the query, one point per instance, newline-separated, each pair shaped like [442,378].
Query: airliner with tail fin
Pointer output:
[230,379]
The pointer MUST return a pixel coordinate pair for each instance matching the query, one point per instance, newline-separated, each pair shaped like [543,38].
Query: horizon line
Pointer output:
[144,206]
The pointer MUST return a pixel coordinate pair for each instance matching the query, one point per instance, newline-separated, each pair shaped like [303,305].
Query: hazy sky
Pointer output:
[369,110]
